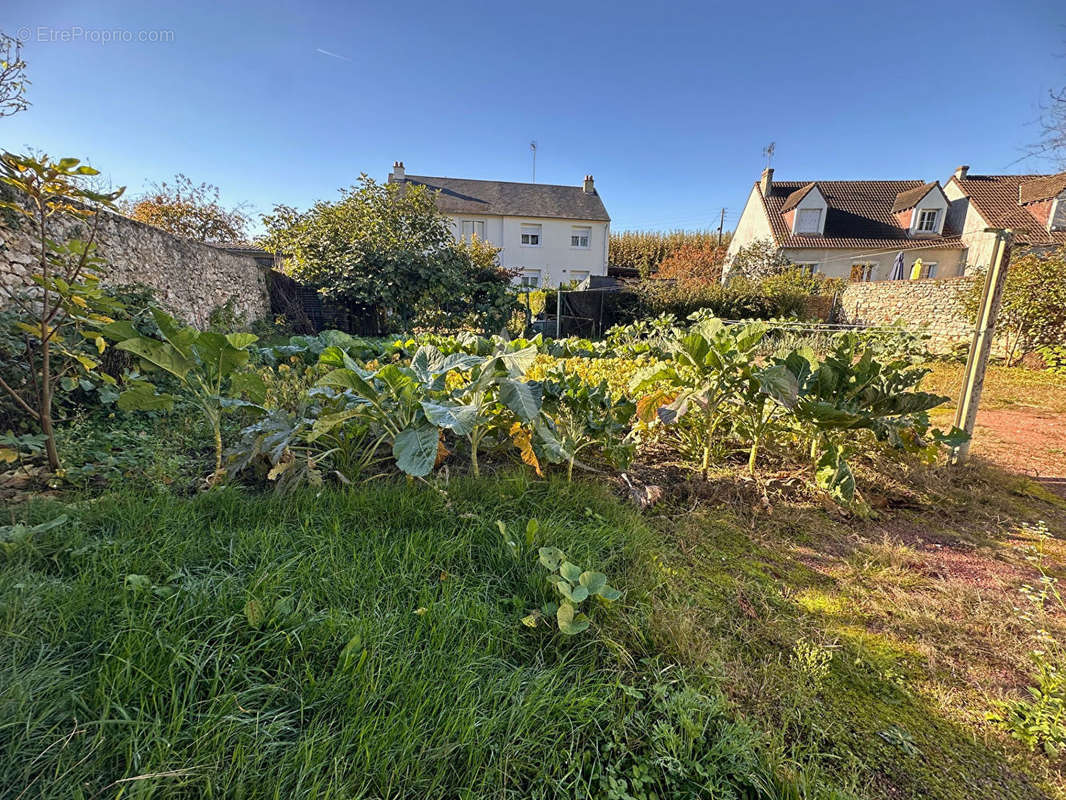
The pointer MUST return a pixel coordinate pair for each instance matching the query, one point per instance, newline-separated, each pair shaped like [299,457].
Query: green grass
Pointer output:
[366,643]
[343,644]
[1004,387]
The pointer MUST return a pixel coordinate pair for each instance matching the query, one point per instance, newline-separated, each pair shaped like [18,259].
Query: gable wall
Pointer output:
[964,217]
[752,225]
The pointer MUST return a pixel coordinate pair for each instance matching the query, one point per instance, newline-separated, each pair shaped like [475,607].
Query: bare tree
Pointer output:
[13,80]
[1053,126]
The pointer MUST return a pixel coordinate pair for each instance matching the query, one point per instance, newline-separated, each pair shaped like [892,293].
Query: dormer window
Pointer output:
[927,219]
[809,220]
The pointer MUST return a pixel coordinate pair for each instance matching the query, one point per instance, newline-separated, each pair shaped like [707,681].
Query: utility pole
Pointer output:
[973,380]
[533,148]
[721,224]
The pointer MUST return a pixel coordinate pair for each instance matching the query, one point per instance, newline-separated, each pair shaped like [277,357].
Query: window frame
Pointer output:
[817,221]
[527,230]
[474,224]
[809,267]
[922,212]
[529,273]
[929,270]
[867,270]
[584,273]
[575,234]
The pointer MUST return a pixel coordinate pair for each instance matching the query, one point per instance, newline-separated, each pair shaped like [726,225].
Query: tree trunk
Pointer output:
[44,407]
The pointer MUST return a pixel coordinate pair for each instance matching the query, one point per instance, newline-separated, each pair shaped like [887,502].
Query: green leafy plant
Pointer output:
[18,537]
[583,415]
[392,398]
[576,587]
[61,294]
[709,366]
[205,364]
[488,401]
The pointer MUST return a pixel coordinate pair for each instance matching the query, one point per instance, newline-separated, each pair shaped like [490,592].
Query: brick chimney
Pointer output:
[766,182]
[960,172]
[398,173]
[589,187]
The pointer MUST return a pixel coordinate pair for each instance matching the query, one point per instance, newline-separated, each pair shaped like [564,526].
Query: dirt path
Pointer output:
[1026,440]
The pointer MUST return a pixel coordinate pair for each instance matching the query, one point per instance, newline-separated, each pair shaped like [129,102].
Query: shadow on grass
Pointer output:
[808,644]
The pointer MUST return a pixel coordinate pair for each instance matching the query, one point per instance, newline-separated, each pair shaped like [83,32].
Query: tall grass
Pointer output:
[350,644]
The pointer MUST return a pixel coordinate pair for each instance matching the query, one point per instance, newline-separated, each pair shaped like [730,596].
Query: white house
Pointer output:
[853,229]
[549,234]
[1033,206]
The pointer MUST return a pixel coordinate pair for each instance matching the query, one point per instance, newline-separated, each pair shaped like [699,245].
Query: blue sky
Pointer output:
[669,107]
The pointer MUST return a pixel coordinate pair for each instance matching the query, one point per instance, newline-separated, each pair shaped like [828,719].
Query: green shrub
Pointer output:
[1054,358]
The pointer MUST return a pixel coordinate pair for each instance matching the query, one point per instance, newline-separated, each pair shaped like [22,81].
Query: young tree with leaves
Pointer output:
[1033,309]
[59,298]
[388,247]
[192,210]
[760,259]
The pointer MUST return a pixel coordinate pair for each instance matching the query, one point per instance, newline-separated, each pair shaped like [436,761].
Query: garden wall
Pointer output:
[190,279]
[935,305]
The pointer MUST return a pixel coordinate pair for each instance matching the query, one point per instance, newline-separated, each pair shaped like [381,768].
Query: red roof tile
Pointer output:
[912,197]
[1043,188]
[996,198]
[793,199]
[859,215]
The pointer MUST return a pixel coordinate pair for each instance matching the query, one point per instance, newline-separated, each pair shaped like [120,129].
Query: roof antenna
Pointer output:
[768,153]
[533,149]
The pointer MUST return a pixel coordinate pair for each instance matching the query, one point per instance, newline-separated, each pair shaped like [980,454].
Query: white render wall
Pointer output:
[837,262]
[557,261]
[752,225]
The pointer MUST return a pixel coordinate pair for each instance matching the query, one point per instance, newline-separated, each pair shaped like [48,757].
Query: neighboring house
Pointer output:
[1033,206]
[853,229]
[549,234]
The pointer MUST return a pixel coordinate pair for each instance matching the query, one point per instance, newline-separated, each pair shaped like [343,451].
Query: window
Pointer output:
[929,270]
[862,272]
[580,236]
[927,219]
[531,236]
[578,275]
[809,220]
[472,228]
[809,267]
[529,279]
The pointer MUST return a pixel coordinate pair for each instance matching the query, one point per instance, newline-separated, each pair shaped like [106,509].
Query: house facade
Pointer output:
[853,229]
[548,234]
[1033,206]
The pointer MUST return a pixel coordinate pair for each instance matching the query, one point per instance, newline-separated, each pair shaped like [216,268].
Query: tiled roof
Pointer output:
[859,216]
[793,199]
[996,198]
[465,196]
[912,197]
[1043,188]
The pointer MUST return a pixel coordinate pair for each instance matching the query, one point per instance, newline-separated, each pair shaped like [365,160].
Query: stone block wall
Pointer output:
[935,305]
[190,279]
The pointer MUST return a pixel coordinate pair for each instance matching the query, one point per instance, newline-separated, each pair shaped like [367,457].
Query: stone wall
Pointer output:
[190,279]
[931,304]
